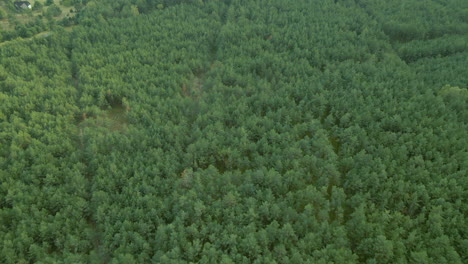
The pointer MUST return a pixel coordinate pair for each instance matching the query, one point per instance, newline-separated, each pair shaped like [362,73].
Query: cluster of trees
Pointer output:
[25,23]
[237,132]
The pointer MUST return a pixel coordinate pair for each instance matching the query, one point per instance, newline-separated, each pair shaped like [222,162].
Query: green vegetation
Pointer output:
[236,131]
[38,5]
[24,22]
[53,11]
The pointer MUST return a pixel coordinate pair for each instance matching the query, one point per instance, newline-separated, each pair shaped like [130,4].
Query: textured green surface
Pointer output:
[238,132]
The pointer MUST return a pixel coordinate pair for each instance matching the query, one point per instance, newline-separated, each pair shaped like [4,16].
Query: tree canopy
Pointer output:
[237,131]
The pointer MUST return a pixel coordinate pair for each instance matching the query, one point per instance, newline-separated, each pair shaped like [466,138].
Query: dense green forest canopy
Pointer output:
[206,131]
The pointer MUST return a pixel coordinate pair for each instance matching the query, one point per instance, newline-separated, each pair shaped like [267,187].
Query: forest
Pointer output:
[234,131]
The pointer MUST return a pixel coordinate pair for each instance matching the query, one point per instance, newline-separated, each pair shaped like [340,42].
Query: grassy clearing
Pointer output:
[42,34]
[114,119]
[30,15]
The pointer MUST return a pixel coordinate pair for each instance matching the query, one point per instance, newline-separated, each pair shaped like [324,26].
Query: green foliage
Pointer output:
[67,3]
[37,5]
[53,11]
[237,132]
